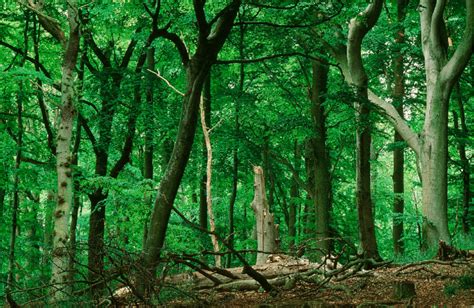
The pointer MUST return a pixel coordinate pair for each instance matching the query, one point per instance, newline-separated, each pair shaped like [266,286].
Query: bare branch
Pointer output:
[157,74]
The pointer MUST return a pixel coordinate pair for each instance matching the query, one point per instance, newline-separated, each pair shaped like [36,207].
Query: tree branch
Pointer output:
[453,69]
[28,58]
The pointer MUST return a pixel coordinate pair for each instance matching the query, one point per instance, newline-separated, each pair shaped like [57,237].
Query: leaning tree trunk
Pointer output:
[197,68]
[358,28]
[267,233]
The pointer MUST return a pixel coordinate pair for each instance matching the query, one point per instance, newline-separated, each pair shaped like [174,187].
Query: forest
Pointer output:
[236,152]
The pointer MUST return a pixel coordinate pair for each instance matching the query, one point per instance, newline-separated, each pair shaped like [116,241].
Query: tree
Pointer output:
[358,27]
[398,152]
[60,260]
[210,39]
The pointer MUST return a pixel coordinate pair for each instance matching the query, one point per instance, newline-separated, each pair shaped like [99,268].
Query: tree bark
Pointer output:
[203,204]
[60,261]
[197,69]
[207,140]
[266,230]
[359,26]
[462,134]
[322,190]
[149,125]
[430,145]
[399,152]
[235,149]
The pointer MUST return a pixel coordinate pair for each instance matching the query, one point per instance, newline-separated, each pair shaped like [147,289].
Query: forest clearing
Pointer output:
[236,153]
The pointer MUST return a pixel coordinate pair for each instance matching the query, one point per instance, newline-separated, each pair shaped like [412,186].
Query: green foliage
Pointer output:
[273,109]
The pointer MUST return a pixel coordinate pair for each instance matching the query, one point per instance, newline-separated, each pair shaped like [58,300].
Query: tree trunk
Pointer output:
[60,258]
[434,176]
[203,204]
[174,171]
[197,69]
[322,190]
[149,126]
[266,230]
[398,152]
[206,102]
[358,28]
[235,149]
[462,134]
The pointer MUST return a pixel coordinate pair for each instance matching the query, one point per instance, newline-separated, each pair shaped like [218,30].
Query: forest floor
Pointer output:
[436,283]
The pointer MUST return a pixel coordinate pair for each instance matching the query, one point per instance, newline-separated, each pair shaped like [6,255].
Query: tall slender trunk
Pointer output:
[235,149]
[203,204]
[197,68]
[322,190]
[462,134]
[76,202]
[149,126]
[399,152]
[207,141]
[59,276]
[357,31]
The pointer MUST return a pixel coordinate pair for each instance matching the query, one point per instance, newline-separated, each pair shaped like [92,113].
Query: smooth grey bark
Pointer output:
[430,144]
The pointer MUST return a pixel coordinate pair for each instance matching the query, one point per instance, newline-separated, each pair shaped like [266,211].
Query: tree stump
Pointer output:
[404,290]
[267,233]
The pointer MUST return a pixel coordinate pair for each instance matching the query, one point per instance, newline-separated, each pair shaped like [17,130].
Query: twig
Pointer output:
[157,73]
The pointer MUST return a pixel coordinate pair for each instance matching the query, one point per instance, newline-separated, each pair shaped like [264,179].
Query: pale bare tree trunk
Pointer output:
[267,233]
[441,76]
[60,258]
[210,213]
